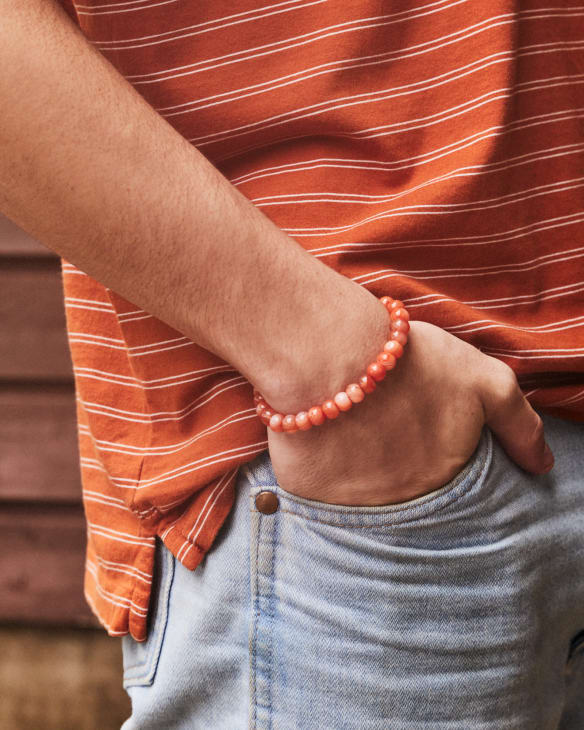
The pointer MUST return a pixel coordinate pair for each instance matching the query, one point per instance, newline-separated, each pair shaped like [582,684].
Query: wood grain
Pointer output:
[33,345]
[38,444]
[60,679]
[42,550]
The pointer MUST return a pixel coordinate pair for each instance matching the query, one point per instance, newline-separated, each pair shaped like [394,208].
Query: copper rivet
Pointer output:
[266,502]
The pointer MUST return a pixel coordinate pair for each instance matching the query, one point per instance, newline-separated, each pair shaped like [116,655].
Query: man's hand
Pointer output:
[416,431]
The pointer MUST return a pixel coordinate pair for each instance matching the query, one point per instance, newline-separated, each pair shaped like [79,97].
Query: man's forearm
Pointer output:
[94,173]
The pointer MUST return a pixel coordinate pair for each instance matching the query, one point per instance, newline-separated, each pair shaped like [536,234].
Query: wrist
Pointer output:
[327,351]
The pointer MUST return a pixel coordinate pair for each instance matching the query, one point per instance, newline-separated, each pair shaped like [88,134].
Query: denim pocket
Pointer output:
[470,478]
[140,658]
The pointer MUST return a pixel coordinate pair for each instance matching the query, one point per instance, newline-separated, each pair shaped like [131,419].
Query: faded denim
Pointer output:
[460,610]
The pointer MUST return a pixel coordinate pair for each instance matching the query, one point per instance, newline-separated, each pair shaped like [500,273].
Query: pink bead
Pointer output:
[302,421]
[401,325]
[400,313]
[396,304]
[289,423]
[386,301]
[342,401]
[376,371]
[367,384]
[388,361]
[317,417]
[400,337]
[261,407]
[276,422]
[393,348]
[355,392]
[266,415]
[330,410]
[257,397]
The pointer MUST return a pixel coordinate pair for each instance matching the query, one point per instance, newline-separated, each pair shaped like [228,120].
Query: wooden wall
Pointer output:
[57,670]
[42,529]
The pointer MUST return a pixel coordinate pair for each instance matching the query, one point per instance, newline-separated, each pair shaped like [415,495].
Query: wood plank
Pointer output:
[61,679]
[34,341]
[42,550]
[15,242]
[39,456]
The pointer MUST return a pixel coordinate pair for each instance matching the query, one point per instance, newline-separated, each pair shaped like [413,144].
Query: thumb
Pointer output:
[513,420]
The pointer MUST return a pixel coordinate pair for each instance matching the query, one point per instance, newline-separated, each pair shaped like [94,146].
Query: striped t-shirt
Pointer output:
[430,151]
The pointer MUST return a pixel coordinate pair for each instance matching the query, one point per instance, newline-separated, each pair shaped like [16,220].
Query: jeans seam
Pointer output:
[255,634]
[164,591]
[272,603]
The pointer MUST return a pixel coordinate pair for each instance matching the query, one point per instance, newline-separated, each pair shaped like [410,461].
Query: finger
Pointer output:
[516,424]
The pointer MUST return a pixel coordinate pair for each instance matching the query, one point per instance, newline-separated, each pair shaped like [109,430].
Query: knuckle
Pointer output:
[506,381]
[537,435]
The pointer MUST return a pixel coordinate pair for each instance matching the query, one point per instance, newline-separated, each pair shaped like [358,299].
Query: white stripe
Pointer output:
[92,10]
[107,503]
[486,271]
[114,567]
[571,399]
[372,97]
[456,146]
[313,36]
[417,160]
[364,199]
[131,382]
[174,523]
[204,463]
[147,418]
[542,329]
[118,447]
[209,511]
[447,208]
[104,623]
[123,318]
[115,598]
[112,535]
[559,291]
[205,508]
[100,494]
[345,64]
[89,308]
[537,354]
[479,240]
[205,27]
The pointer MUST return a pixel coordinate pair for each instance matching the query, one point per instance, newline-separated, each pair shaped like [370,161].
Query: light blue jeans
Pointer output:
[460,610]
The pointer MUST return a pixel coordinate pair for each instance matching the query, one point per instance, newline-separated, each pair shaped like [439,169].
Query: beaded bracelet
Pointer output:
[354,392]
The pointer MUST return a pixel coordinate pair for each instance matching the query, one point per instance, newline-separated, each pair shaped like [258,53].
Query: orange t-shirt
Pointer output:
[434,153]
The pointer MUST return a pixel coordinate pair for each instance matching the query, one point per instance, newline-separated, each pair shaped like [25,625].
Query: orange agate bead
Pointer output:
[388,361]
[367,383]
[302,421]
[399,313]
[317,417]
[376,371]
[276,422]
[355,392]
[289,423]
[329,409]
[401,325]
[394,348]
[265,416]
[342,401]
[400,337]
